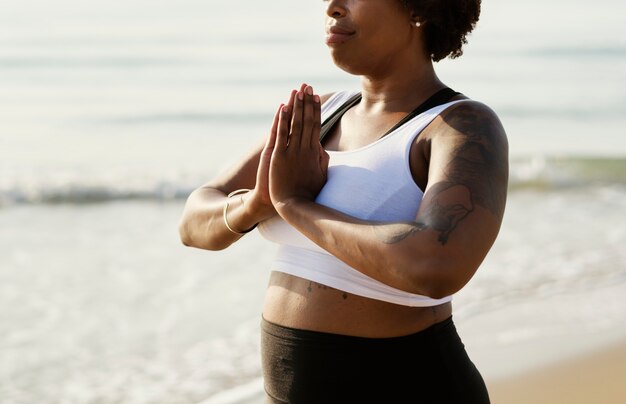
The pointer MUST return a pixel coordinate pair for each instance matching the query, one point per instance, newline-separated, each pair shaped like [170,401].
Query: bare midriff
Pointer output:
[299,303]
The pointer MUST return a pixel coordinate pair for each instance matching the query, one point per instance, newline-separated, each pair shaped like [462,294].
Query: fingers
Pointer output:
[271,139]
[303,121]
[296,120]
[290,102]
[298,116]
[282,132]
[316,125]
[305,124]
[307,116]
[284,122]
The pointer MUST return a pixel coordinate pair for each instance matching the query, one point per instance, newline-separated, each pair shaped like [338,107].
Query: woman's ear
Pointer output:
[416,20]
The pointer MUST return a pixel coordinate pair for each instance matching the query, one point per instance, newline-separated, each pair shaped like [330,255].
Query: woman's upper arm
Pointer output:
[467,185]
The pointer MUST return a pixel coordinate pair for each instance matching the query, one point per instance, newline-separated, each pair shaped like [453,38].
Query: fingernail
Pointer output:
[285,108]
[316,98]
[309,90]
[300,95]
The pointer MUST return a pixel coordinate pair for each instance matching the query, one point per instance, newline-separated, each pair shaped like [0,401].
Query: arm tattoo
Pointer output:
[443,216]
[476,175]
[396,232]
[481,160]
[440,217]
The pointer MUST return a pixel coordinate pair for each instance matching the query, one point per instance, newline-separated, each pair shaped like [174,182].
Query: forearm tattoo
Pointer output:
[476,176]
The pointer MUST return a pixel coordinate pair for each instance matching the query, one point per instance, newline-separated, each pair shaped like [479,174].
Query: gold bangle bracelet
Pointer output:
[225,211]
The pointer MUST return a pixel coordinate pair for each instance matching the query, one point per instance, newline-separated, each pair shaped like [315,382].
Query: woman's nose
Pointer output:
[336,8]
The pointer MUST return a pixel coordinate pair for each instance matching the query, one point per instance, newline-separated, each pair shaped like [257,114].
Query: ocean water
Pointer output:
[111,113]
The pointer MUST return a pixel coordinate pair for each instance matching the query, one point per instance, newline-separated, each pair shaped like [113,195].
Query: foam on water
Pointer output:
[147,182]
[102,303]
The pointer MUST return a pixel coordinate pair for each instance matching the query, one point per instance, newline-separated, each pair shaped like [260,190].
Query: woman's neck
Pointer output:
[400,89]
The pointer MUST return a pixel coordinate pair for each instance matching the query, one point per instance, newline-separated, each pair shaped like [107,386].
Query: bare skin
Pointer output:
[460,160]
[300,303]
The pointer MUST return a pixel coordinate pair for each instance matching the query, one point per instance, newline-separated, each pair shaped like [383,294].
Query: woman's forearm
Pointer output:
[202,224]
[417,264]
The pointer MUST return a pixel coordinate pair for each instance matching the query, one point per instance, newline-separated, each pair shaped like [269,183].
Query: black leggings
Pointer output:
[428,367]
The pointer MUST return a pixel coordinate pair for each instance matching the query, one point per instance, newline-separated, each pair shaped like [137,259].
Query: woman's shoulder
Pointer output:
[467,108]
[471,118]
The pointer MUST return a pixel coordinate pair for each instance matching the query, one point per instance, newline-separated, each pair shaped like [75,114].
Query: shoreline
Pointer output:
[529,334]
[596,377]
[561,348]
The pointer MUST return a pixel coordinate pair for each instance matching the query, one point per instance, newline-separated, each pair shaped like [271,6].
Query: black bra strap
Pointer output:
[439,98]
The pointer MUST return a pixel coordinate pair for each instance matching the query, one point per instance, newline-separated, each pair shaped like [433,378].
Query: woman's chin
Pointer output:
[347,63]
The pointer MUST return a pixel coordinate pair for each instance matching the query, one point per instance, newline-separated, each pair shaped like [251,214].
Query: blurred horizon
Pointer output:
[150,99]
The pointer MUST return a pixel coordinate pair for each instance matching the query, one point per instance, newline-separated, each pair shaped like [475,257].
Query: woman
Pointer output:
[379,223]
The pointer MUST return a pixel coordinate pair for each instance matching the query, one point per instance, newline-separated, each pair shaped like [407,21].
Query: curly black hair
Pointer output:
[446,24]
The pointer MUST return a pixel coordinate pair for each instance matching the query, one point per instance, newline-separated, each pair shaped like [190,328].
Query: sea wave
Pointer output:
[555,173]
[615,51]
[187,117]
[540,174]
[76,192]
[120,62]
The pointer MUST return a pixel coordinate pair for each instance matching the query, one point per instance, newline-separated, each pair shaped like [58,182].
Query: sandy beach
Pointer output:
[536,359]
[596,377]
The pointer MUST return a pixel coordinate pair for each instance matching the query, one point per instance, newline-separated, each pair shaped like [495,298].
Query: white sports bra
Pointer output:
[374,183]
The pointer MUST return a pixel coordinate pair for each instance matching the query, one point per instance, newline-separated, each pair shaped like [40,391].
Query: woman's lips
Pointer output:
[336,34]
